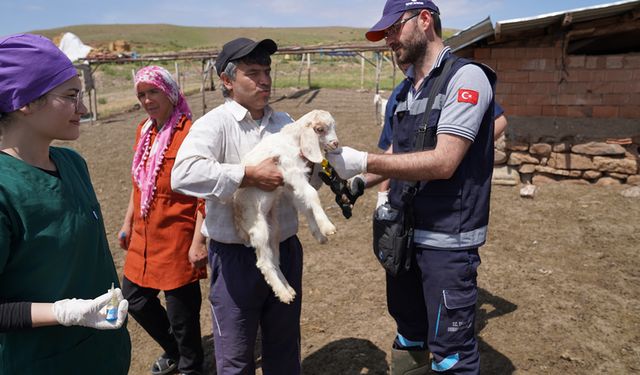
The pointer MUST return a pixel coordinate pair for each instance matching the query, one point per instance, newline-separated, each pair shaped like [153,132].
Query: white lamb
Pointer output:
[255,213]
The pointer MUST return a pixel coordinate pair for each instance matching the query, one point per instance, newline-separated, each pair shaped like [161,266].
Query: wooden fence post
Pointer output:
[362,71]
[393,63]
[309,70]
[177,73]
[300,70]
[378,68]
[202,90]
[275,77]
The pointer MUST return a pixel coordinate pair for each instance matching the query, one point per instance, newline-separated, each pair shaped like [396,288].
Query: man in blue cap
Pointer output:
[434,301]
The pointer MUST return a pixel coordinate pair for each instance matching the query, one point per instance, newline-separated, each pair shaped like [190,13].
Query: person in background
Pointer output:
[434,302]
[392,103]
[385,141]
[499,121]
[208,166]
[161,230]
[55,263]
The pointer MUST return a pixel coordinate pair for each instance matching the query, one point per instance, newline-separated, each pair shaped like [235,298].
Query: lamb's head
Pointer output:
[318,135]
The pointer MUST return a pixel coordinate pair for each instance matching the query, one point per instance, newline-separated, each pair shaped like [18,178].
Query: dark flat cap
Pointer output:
[239,48]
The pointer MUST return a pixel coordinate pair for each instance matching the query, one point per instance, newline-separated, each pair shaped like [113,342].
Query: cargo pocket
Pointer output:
[456,315]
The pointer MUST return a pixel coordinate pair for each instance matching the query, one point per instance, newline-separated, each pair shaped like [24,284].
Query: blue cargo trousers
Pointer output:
[434,303]
[241,301]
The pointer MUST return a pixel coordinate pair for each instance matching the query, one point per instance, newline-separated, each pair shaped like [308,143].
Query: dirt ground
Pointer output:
[559,281]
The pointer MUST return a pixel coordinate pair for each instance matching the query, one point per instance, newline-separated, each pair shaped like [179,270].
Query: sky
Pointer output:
[26,15]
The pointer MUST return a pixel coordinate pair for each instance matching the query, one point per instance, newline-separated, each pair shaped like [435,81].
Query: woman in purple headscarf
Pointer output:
[161,230]
[55,263]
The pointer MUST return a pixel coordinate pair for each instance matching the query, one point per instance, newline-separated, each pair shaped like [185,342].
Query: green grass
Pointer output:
[341,73]
[164,38]
[114,80]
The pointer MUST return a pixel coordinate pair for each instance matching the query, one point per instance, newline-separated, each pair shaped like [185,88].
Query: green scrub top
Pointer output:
[53,246]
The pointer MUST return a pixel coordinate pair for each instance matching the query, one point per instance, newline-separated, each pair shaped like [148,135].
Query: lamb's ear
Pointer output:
[309,145]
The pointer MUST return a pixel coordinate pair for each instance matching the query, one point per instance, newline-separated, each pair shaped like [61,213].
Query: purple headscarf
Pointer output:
[148,158]
[30,66]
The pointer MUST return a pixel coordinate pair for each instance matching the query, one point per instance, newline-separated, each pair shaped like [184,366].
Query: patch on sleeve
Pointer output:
[468,96]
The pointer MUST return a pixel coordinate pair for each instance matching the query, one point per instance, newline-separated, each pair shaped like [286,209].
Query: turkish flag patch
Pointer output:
[468,96]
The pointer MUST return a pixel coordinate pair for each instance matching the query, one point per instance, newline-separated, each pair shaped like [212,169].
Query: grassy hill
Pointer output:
[146,38]
[113,80]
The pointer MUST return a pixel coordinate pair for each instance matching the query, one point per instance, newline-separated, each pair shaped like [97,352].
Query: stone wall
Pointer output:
[603,163]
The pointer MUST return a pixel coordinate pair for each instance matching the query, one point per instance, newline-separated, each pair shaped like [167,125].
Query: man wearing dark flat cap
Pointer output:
[440,173]
[208,166]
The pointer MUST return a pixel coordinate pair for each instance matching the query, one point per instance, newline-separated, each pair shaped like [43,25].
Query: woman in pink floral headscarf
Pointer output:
[161,230]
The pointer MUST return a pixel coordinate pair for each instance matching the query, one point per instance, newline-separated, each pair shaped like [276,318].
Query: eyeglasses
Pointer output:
[77,99]
[396,27]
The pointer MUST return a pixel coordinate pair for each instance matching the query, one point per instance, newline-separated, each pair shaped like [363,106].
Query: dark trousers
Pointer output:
[241,300]
[435,303]
[176,329]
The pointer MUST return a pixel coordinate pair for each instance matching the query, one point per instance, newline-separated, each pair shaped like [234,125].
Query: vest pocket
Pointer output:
[438,215]
[456,315]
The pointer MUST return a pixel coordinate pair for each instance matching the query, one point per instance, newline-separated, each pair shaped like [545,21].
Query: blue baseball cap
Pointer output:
[393,10]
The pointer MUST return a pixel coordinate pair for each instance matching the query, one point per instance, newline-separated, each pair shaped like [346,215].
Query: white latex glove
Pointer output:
[348,162]
[383,197]
[90,313]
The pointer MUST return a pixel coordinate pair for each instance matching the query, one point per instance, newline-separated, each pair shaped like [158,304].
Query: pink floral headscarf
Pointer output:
[148,158]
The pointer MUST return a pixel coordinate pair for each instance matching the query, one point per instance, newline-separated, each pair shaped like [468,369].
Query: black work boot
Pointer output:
[409,362]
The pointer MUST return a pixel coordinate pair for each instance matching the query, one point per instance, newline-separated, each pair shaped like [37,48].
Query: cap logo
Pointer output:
[414,2]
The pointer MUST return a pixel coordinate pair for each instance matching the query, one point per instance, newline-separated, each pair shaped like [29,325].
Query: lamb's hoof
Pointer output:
[287,296]
[321,238]
[328,229]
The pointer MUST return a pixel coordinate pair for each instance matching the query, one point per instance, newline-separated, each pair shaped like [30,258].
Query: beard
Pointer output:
[413,50]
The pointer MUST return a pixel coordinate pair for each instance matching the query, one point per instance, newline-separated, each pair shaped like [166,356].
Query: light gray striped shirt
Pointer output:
[459,118]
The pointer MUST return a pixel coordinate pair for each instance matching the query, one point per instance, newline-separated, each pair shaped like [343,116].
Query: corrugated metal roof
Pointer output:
[470,35]
[577,15]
